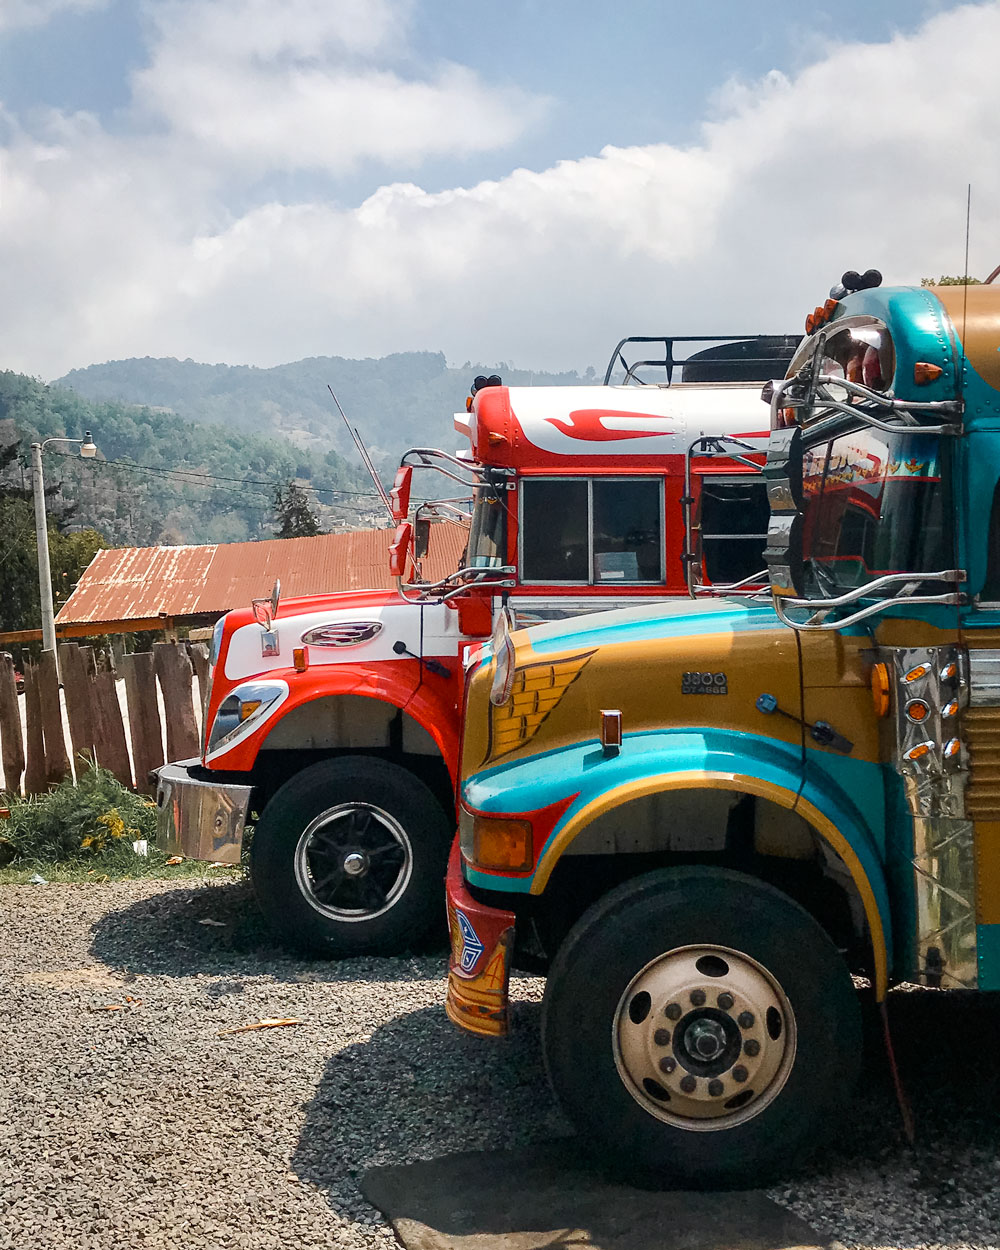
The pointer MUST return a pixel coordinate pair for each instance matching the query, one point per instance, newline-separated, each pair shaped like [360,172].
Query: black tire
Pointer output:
[355,814]
[598,1043]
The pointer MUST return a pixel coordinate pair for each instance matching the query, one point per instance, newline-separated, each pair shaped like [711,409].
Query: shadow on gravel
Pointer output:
[219,931]
[419,1089]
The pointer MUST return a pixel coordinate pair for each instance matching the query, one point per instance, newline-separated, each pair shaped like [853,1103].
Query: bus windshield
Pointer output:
[874,503]
[487,547]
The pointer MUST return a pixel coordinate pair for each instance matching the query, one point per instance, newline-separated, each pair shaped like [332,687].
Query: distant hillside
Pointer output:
[182,482]
[396,401]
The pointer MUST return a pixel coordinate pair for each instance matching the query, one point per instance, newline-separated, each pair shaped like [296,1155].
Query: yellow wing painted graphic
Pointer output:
[537,690]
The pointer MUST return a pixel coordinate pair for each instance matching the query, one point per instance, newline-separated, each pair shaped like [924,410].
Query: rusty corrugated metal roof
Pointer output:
[138,583]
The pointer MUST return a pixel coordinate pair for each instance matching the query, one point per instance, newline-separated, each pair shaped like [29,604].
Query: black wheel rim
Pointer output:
[353,862]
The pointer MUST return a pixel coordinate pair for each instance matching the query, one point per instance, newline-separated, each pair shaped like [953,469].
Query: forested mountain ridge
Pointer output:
[160,479]
[395,401]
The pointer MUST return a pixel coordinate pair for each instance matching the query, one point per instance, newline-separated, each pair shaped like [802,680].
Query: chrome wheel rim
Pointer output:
[353,862]
[704,1038]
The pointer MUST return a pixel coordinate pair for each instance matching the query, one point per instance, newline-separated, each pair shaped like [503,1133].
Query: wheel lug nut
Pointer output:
[667,1064]
[688,1084]
[751,1047]
[725,1002]
[662,1037]
[715,1088]
[672,1011]
[698,998]
[740,1073]
[745,1020]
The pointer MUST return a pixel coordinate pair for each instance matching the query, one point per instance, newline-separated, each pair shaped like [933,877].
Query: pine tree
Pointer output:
[295,517]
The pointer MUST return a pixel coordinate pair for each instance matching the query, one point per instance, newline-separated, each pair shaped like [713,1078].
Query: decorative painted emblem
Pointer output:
[342,634]
[704,683]
[472,947]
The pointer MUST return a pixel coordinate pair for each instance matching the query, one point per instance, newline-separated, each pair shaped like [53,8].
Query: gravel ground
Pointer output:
[143,1127]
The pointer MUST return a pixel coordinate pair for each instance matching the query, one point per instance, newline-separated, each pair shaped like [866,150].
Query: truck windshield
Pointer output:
[874,503]
[488,535]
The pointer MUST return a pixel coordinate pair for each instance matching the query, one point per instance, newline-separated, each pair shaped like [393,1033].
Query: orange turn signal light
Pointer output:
[501,843]
[300,658]
[880,689]
[924,372]
[917,711]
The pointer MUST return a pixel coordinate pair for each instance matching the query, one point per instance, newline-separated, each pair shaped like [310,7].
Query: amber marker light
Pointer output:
[919,751]
[917,711]
[951,748]
[915,674]
[501,843]
[880,689]
[611,731]
[924,372]
[300,658]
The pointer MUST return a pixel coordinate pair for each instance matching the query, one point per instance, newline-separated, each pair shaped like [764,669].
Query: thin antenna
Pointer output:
[965,275]
[363,452]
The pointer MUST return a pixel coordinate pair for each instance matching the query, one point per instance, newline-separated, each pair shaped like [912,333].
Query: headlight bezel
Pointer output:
[241,712]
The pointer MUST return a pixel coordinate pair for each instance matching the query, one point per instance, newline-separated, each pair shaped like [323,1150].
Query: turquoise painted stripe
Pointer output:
[988,951]
[652,623]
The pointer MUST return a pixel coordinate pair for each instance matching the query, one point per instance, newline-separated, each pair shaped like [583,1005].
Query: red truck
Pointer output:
[332,722]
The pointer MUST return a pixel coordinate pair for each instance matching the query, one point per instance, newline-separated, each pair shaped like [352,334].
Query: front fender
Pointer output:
[663,760]
[431,703]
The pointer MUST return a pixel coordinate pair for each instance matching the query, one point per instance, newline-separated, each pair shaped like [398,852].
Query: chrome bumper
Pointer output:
[199,819]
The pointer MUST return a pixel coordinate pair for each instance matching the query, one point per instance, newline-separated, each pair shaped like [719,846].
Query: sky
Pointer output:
[254,182]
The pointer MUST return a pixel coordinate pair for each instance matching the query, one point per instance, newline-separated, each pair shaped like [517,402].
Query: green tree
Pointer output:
[950,280]
[295,517]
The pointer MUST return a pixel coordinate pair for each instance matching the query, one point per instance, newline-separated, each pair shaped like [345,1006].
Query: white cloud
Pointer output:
[113,248]
[305,84]
[18,14]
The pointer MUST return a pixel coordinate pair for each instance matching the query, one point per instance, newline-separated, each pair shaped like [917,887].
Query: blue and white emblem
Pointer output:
[472,948]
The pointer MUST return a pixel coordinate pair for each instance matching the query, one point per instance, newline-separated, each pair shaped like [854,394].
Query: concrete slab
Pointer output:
[548,1196]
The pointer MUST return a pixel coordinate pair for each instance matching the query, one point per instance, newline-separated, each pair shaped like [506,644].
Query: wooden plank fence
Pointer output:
[33,736]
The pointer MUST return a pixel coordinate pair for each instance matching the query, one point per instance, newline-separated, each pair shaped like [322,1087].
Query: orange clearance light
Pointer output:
[918,752]
[880,689]
[951,748]
[917,711]
[810,323]
[468,403]
[950,709]
[300,658]
[924,372]
[829,308]
[949,670]
[501,843]
[611,731]
[916,673]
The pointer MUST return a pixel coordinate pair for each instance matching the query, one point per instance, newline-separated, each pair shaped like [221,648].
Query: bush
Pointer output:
[95,820]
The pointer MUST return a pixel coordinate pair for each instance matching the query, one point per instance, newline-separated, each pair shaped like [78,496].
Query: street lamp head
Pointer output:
[88,448]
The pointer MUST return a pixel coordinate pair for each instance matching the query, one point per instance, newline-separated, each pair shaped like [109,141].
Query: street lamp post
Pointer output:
[88,450]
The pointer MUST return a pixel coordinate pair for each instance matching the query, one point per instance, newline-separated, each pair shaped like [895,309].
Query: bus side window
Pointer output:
[734,521]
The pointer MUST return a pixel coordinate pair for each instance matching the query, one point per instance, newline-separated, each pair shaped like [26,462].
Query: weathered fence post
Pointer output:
[56,759]
[79,707]
[112,748]
[34,771]
[199,658]
[174,671]
[143,716]
[10,727]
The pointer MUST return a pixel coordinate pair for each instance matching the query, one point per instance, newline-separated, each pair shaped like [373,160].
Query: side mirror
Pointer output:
[262,613]
[275,597]
[421,538]
[400,493]
[399,549]
[783,476]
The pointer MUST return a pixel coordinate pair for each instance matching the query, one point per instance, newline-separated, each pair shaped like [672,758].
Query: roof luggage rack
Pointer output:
[731,358]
